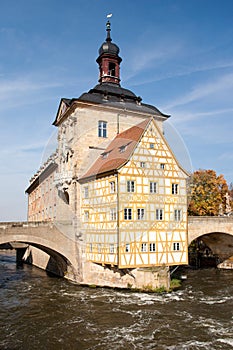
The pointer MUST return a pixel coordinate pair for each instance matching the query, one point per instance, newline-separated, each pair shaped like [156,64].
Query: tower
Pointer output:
[109,60]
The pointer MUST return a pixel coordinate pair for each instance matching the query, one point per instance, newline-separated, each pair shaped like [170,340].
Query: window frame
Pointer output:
[153,187]
[177,215]
[128,214]
[176,246]
[102,128]
[141,213]
[175,188]
[112,185]
[144,247]
[159,214]
[130,186]
[152,247]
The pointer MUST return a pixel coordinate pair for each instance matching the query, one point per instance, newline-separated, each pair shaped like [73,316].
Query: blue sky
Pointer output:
[177,55]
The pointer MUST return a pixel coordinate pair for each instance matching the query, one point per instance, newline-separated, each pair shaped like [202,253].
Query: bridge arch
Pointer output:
[60,251]
[215,232]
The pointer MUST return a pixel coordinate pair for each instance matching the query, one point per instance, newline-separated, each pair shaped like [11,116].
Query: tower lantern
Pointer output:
[109,60]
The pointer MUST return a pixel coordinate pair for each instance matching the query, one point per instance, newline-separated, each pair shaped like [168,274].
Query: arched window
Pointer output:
[112,69]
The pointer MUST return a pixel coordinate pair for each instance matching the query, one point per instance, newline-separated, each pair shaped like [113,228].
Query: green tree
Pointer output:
[207,193]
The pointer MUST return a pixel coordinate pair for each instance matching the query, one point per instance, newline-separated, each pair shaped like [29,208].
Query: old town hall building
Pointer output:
[114,177]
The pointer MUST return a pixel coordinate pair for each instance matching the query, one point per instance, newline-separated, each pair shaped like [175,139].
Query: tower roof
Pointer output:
[107,46]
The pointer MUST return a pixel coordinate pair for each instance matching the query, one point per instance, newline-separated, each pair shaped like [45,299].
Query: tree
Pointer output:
[207,193]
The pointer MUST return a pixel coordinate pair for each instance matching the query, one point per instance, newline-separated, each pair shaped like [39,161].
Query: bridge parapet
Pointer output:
[202,225]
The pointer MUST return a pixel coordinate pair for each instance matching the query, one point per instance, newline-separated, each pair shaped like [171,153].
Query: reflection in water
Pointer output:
[41,312]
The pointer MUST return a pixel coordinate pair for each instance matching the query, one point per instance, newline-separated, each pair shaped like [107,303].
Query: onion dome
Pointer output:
[108,46]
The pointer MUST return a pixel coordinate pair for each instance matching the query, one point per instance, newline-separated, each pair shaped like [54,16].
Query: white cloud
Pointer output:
[220,85]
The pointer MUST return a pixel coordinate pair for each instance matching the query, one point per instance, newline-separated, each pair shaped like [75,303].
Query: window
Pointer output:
[152,247]
[86,192]
[177,214]
[105,155]
[159,214]
[162,166]
[86,215]
[142,164]
[128,214]
[130,186]
[143,247]
[102,129]
[111,248]
[99,248]
[174,188]
[113,214]
[90,247]
[127,248]
[112,187]
[153,187]
[176,246]
[141,213]
[152,145]
[122,149]
[112,69]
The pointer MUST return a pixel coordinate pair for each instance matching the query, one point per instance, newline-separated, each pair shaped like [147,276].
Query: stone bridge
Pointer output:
[215,231]
[57,241]
[63,252]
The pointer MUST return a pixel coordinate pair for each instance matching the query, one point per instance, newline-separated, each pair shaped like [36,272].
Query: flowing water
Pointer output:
[42,312]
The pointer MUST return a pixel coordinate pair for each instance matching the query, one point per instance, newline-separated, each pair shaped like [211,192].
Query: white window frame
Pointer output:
[127,247]
[153,187]
[131,186]
[162,166]
[159,214]
[177,214]
[113,214]
[143,247]
[175,188]
[111,248]
[128,214]
[152,247]
[112,186]
[102,128]
[86,215]
[140,213]
[142,164]
[176,246]
[86,192]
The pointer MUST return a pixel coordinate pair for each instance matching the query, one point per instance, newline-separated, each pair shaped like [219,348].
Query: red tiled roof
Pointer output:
[118,152]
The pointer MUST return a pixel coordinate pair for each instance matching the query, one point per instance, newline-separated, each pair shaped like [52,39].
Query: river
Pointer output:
[43,312]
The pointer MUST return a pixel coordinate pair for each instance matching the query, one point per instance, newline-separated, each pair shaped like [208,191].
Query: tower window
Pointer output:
[102,128]
[112,69]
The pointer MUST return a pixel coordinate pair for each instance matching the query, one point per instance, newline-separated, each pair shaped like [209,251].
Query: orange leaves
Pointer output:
[207,193]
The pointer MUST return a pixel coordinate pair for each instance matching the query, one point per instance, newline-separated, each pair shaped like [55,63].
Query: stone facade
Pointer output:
[120,251]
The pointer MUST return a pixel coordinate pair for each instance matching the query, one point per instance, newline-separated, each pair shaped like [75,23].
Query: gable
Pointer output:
[153,156]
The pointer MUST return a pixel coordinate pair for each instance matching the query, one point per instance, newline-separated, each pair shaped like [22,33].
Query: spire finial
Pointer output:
[108,28]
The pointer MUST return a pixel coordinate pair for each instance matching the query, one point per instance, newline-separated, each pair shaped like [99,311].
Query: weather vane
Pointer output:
[109,15]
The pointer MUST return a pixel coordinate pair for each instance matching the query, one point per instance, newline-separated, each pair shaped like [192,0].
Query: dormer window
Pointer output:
[105,155]
[122,149]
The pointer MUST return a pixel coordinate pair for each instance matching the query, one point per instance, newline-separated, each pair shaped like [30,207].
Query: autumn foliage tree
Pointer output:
[207,193]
